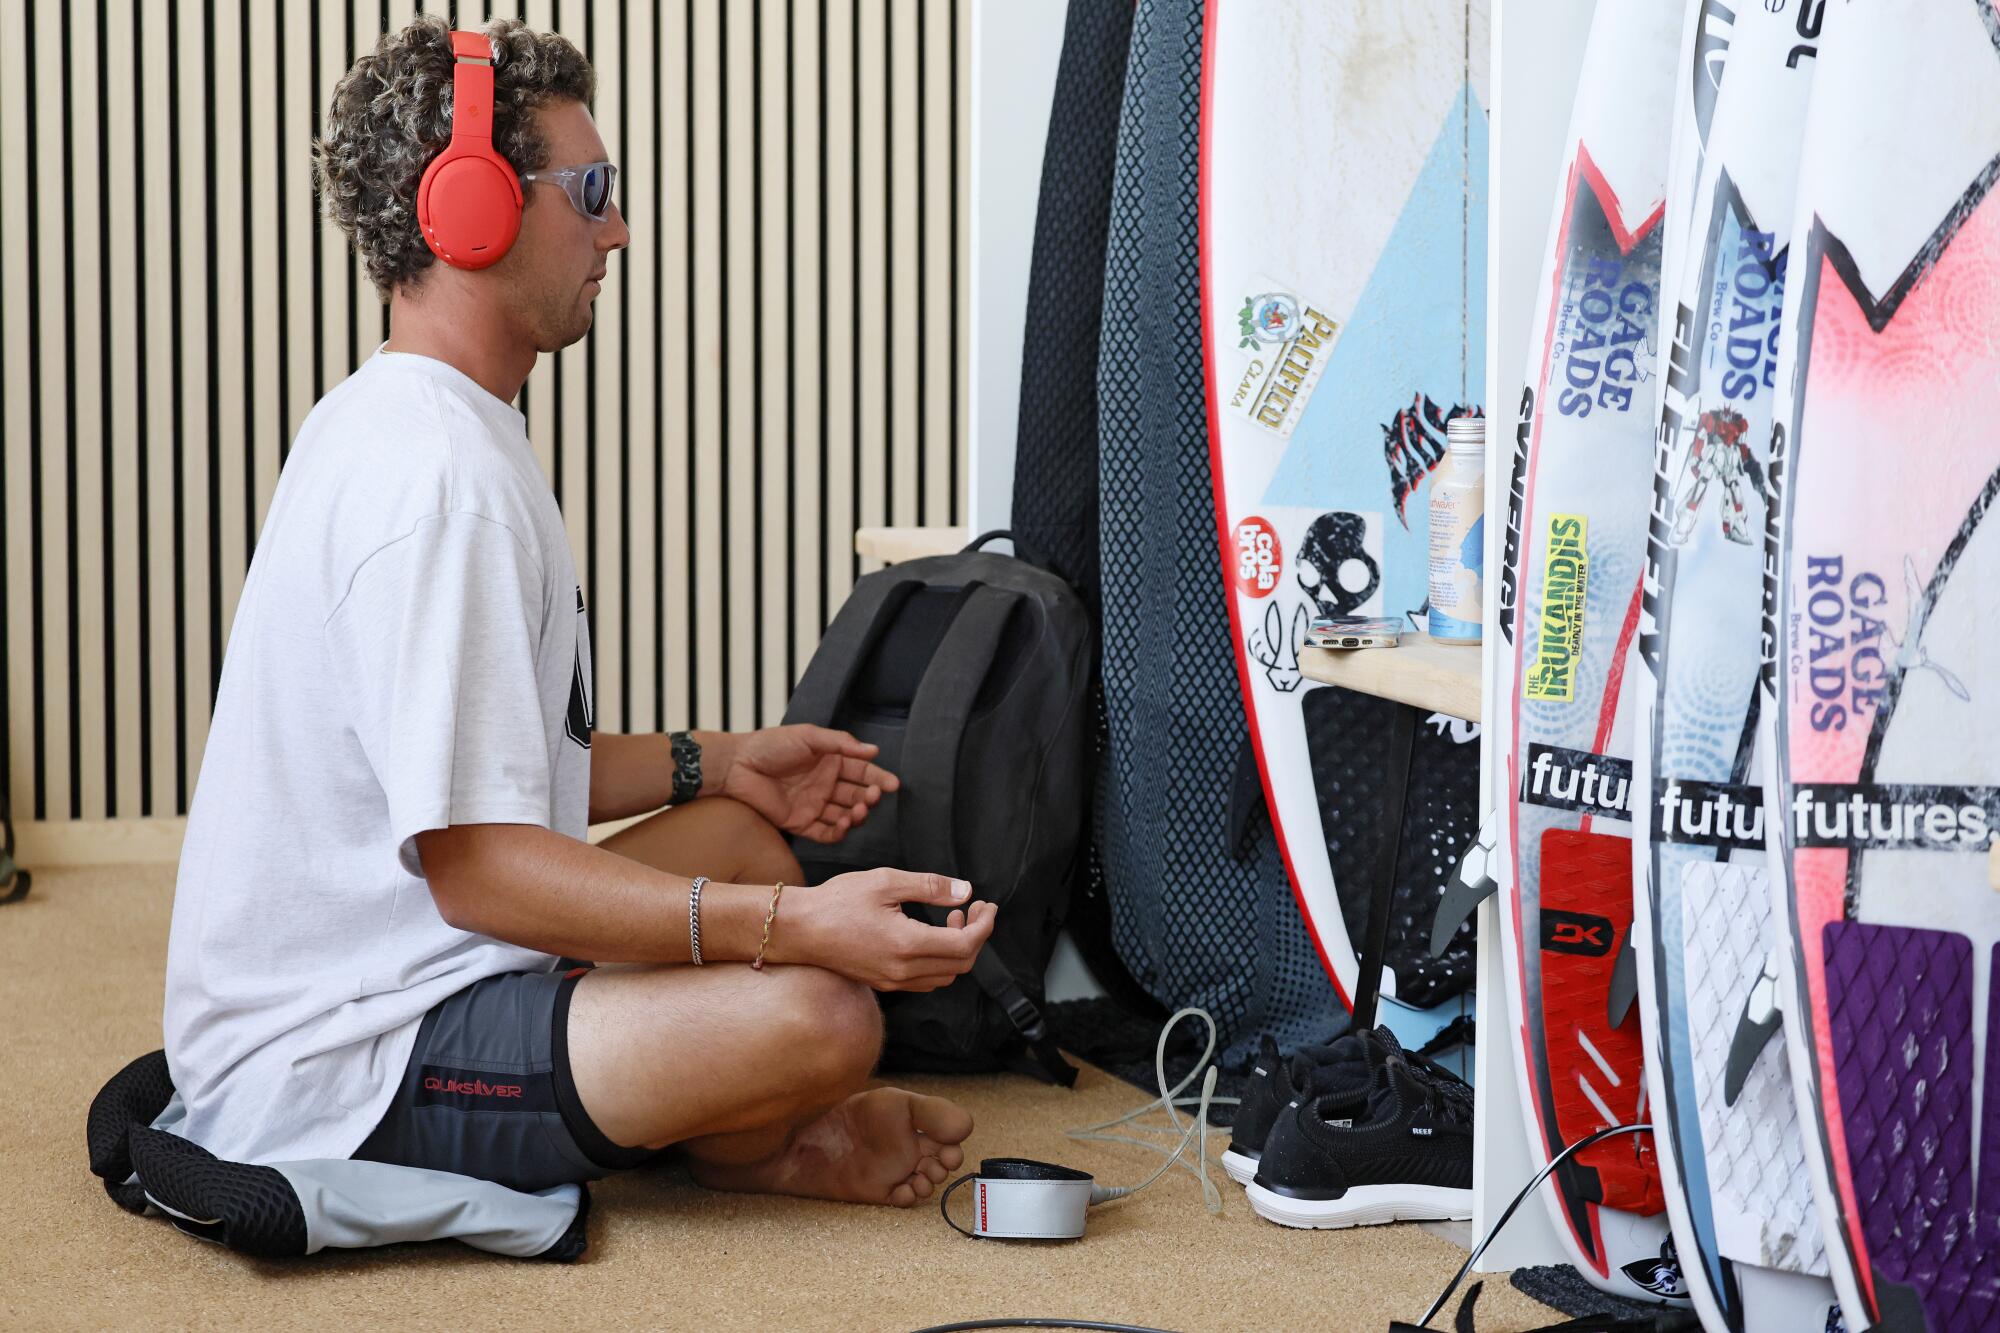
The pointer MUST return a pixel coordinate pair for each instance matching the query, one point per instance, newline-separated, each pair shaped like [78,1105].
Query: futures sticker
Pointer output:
[1559,640]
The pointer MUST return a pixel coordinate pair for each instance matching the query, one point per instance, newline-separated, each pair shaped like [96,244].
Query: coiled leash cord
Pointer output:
[1018,1198]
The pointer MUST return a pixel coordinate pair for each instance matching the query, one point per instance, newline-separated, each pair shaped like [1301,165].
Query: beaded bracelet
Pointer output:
[758,964]
[686,751]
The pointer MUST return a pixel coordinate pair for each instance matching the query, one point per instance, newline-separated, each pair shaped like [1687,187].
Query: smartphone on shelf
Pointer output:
[1354,632]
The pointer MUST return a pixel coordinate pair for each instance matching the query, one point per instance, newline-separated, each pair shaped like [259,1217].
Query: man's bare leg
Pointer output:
[757,1077]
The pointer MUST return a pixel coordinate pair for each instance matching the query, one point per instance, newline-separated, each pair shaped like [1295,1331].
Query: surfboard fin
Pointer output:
[1761,1018]
[1471,885]
[1624,988]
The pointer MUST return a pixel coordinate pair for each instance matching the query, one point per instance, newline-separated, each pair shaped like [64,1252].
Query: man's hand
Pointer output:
[806,780]
[853,924]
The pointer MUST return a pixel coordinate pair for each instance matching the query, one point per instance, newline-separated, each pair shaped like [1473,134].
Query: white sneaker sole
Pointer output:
[1241,1169]
[1364,1206]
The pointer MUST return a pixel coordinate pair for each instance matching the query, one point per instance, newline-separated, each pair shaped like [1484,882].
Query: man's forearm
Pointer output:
[634,775]
[541,890]
[629,775]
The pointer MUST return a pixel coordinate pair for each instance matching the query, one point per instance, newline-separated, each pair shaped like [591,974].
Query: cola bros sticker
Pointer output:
[1258,559]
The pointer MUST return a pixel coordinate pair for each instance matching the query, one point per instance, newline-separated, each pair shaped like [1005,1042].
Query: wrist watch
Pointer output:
[687,766]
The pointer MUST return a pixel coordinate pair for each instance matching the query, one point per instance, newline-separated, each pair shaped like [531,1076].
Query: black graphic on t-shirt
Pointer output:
[582,685]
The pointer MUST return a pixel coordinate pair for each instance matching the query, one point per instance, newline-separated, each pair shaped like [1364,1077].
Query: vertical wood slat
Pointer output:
[16,561]
[637,287]
[91,541]
[674,196]
[842,323]
[773,361]
[125,644]
[47,356]
[153,440]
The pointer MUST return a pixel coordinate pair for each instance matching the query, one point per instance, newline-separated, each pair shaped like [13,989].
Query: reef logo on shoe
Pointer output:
[1661,1276]
[484,1090]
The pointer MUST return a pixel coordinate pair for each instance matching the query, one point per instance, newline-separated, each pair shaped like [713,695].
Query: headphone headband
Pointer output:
[471,87]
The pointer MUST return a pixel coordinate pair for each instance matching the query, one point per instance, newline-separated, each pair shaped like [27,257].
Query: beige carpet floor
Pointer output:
[81,969]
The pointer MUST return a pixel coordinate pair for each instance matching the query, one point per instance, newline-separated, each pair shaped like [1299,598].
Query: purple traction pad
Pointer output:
[1900,1006]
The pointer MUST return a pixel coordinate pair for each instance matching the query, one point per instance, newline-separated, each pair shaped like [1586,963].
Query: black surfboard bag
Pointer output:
[972,672]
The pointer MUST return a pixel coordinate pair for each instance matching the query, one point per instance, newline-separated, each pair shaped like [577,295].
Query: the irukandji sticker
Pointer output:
[1259,560]
[1280,356]
[1565,580]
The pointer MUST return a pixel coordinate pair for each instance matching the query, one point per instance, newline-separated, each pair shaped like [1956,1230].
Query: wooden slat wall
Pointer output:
[776,360]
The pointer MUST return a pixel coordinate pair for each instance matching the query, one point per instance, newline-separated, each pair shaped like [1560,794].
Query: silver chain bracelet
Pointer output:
[694,918]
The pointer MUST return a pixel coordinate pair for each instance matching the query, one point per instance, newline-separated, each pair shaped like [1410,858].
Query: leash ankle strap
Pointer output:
[1014,1198]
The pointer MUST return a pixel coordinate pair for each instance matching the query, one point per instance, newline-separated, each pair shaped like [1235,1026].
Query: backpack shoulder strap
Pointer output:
[938,716]
[846,645]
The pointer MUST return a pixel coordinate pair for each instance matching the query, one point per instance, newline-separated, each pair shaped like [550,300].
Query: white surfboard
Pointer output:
[1882,650]
[1568,610]
[1738,1193]
[1344,312]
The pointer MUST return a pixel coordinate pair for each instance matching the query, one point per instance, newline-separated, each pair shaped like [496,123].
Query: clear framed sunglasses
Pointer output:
[588,186]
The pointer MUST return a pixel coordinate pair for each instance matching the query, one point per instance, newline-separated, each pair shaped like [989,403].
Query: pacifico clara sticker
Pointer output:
[1559,638]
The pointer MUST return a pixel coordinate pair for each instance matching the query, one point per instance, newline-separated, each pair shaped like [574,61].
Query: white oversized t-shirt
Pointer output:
[409,652]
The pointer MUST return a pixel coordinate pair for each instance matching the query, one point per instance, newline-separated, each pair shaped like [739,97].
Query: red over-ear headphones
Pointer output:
[469,204]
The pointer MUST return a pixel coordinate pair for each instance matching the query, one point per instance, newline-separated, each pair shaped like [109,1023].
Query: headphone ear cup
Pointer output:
[469,207]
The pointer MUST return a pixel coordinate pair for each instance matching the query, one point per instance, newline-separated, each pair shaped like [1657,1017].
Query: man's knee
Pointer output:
[832,1024]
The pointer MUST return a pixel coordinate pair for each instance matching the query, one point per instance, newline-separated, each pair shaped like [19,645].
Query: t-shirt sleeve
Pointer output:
[434,651]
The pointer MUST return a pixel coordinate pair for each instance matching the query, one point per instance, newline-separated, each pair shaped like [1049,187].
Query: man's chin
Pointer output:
[568,337]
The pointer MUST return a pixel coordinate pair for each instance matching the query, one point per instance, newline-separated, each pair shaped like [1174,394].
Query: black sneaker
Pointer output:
[1401,1152]
[1276,1083]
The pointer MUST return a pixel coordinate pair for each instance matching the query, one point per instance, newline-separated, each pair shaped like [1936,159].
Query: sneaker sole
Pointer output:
[1241,1169]
[1363,1206]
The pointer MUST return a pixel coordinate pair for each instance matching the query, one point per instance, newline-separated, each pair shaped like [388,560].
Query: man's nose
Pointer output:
[619,235]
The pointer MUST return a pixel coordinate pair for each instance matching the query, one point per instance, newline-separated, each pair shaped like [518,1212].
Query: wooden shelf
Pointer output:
[890,545]
[1443,677]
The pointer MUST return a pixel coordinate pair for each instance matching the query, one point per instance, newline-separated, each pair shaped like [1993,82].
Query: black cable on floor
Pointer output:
[1039,1323]
[1527,1189]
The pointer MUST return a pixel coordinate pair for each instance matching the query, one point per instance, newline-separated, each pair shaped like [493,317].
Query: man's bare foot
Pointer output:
[880,1146]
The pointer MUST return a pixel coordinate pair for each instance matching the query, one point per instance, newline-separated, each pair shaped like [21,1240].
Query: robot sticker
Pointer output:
[1720,457]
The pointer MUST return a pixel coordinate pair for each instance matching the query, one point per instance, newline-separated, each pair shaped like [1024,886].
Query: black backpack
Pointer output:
[972,672]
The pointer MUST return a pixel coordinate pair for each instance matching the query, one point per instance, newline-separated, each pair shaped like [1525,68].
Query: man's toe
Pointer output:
[940,1120]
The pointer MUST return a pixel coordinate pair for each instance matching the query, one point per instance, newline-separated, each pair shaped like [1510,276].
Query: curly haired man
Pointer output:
[386,866]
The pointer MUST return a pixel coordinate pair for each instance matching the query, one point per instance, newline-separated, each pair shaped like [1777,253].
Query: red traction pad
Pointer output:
[1594,1068]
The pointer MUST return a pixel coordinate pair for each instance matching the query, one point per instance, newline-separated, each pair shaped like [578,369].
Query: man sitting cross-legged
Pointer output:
[385,859]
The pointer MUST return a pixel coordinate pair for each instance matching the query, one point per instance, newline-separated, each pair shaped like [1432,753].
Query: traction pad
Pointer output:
[1754,1153]
[1347,734]
[1596,1072]
[1899,1010]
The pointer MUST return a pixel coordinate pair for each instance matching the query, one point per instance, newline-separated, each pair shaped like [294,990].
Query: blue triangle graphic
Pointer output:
[1418,331]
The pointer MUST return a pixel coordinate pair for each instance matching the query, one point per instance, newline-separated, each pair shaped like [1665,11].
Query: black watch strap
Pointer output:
[687,766]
